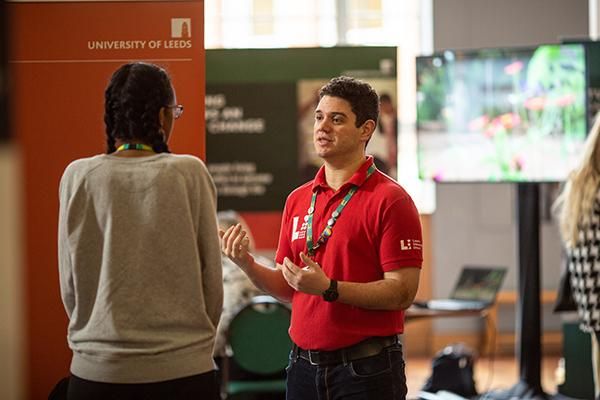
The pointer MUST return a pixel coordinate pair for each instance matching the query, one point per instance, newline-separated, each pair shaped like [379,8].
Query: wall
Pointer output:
[11,279]
[475,223]
[483,228]
[487,23]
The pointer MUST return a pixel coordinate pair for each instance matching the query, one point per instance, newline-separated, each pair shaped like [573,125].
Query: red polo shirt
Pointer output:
[378,231]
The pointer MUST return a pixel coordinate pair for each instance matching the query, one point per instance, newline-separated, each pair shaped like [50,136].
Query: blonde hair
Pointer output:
[576,201]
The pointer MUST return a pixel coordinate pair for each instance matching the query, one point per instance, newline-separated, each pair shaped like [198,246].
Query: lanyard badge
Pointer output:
[328,230]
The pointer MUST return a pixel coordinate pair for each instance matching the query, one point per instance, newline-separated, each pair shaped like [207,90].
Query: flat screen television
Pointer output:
[501,115]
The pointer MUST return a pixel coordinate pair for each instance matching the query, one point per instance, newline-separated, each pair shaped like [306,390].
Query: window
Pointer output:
[262,17]
[308,23]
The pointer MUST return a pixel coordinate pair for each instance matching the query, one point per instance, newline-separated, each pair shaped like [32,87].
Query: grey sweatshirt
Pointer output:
[140,267]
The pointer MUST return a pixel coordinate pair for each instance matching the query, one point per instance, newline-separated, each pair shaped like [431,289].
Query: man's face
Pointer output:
[335,133]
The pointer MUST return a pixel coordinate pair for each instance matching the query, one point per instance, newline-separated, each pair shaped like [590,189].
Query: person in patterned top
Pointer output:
[578,208]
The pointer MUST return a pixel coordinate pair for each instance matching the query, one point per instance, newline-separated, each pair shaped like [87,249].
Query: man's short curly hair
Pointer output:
[362,97]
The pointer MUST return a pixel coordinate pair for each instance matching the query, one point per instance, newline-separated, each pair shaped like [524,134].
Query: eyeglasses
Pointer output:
[177,110]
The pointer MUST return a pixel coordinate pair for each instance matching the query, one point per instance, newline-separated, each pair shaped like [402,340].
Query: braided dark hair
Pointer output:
[132,101]
[362,97]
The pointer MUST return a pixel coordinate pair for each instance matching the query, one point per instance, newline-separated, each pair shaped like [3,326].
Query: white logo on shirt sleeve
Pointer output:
[410,244]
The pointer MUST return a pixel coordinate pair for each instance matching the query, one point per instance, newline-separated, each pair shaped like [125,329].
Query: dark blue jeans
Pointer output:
[378,377]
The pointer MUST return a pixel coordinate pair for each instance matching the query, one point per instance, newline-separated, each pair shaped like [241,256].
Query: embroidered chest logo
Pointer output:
[299,232]
[410,244]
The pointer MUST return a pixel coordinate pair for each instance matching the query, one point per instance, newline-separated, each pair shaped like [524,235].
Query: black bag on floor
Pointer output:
[452,370]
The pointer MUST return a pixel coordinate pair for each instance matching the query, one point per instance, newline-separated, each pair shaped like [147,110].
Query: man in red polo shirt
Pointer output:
[349,257]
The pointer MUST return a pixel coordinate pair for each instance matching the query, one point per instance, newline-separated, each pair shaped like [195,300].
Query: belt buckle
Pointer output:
[310,358]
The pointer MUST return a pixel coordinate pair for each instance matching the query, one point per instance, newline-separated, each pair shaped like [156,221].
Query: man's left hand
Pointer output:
[311,279]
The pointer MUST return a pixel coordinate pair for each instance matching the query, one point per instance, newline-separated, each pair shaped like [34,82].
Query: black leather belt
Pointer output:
[367,348]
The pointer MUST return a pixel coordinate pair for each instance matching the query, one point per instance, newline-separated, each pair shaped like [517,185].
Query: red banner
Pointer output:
[62,56]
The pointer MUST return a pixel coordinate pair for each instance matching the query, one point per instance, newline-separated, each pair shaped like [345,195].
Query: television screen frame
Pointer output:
[508,142]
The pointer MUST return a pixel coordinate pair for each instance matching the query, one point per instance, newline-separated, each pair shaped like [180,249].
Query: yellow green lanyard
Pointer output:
[328,230]
[135,146]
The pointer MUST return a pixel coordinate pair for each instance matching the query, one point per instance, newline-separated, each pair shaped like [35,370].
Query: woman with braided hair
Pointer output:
[139,255]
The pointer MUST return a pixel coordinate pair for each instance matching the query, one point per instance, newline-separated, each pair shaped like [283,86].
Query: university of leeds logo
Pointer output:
[410,244]
[181,27]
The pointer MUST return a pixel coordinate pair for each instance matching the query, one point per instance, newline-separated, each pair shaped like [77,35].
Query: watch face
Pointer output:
[330,295]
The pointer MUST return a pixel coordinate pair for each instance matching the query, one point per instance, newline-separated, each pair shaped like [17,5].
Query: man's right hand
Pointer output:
[235,245]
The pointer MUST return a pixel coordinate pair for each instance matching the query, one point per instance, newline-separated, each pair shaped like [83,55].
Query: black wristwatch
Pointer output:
[331,294]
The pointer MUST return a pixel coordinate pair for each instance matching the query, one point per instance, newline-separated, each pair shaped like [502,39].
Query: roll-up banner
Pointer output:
[62,55]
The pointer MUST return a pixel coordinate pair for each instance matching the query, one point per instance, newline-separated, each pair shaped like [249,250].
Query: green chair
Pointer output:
[258,336]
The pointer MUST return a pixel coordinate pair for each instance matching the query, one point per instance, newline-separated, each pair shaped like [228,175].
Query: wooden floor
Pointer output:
[501,373]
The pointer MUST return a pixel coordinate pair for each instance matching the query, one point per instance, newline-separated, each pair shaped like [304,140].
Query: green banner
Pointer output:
[251,134]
